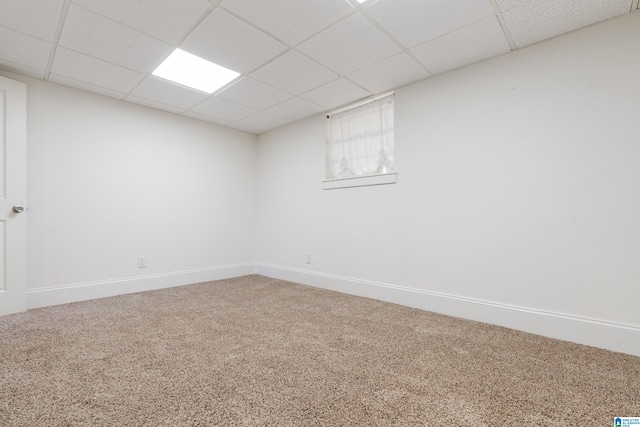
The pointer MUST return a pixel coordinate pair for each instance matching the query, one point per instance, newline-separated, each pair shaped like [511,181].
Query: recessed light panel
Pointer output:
[194,72]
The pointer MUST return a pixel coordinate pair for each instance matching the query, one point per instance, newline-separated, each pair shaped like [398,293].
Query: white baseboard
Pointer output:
[44,297]
[613,336]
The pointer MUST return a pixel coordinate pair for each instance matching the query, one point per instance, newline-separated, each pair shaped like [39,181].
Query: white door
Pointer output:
[13,196]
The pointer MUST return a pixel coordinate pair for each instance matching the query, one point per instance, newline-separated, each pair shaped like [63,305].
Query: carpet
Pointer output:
[255,351]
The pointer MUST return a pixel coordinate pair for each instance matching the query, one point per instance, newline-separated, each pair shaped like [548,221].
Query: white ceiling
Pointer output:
[297,57]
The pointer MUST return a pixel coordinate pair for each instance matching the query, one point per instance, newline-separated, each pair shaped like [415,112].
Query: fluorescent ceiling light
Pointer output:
[361,1]
[192,71]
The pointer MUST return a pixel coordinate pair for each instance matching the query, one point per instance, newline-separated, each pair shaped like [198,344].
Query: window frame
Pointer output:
[387,177]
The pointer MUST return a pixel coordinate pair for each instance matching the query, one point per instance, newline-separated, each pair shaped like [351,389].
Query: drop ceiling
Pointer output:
[296,57]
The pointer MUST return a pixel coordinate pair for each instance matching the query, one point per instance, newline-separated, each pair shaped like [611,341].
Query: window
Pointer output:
[360,144]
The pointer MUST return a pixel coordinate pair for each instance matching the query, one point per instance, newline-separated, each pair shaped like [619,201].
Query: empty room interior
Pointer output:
[174,255]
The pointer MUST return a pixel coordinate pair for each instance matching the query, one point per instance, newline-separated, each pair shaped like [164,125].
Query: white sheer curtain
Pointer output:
[360,140]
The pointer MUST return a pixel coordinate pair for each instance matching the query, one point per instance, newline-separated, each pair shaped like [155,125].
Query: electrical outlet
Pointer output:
[142,262]
[308,257]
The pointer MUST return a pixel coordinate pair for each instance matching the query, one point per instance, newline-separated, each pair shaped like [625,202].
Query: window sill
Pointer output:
[360,181]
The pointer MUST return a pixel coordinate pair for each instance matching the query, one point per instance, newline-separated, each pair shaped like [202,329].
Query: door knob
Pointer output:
[18,209]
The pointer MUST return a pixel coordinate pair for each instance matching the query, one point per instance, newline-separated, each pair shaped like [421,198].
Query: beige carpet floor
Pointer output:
[255,351]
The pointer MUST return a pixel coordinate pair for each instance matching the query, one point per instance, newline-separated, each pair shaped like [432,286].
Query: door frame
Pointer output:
[13,295]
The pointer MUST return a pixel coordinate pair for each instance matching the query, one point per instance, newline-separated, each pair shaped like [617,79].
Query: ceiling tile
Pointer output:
[291,21]
[223,110]
[37,18]
[254,94]
[156,105]
[21,69]
[206,118]
[87,87]
[335,94]
[168,20]
[473,43]
[24,50]
[93,71]
[231,42]
[349,45]
[86,32]
[413,22]
[261,122]
[295,109]
[294,73]
[298,57]
[532,21]
[158,90]
[390,73]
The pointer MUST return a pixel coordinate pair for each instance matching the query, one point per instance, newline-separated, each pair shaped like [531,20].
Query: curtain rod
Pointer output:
[359,103]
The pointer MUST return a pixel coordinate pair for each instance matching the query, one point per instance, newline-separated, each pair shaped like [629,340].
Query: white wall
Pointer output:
[518,200]
[110,181]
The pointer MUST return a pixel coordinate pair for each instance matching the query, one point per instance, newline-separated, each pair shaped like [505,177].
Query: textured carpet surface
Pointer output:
[255,351]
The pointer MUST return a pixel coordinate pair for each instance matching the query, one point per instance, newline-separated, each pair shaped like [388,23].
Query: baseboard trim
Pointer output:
[43,297]
[609,335]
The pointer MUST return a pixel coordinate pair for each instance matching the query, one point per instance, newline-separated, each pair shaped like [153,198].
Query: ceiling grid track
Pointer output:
[56,39]
[297,58]
[406,50]
[184,36]
[503,24]
[214,5]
